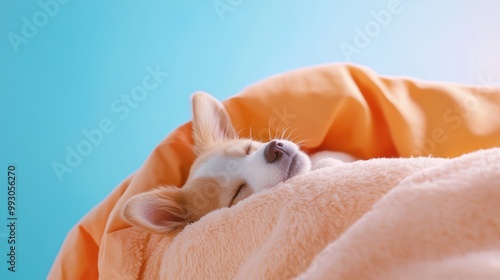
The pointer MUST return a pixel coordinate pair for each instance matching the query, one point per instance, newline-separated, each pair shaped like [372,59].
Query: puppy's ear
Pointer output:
[211,122]
[162,210]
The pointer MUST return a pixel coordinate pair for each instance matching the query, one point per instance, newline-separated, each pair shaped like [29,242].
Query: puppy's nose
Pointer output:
[273,151]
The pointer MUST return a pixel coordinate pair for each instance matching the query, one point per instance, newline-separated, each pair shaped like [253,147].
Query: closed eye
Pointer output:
[236,194]
[249,148]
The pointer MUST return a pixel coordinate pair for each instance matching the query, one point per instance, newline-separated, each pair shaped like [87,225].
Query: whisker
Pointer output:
[290,133]
[238,133]
[292,139]
[269,128]
[306,142]
[277,129]
[282,135]
[302,142]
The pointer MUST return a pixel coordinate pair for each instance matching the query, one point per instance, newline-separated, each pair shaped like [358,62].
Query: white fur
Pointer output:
[328,158]
[252,169]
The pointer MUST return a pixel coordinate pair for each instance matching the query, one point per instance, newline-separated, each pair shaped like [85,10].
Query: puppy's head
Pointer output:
[227,170]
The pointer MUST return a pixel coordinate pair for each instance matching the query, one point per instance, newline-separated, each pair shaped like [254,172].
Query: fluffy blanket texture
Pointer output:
[374,219]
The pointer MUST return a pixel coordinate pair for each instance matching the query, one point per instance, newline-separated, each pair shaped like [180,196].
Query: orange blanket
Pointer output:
[333,107]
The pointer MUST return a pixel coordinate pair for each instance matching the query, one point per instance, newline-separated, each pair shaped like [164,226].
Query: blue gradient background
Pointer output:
[91,52]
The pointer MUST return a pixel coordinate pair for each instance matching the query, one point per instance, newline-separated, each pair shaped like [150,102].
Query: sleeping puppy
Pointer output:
[227,170]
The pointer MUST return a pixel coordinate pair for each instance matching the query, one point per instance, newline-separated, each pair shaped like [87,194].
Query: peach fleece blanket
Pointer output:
[375,218]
